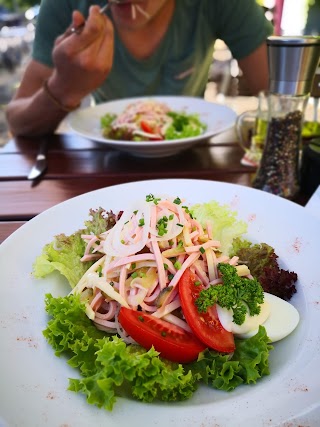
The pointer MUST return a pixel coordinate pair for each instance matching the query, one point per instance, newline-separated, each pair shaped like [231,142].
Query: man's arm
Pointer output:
[31,112]
[255,69]
[81,63]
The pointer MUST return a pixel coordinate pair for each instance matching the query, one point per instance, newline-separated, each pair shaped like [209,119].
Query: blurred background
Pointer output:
[289,17]
[18,19]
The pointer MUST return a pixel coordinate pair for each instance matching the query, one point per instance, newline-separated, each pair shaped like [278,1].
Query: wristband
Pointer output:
[56,101]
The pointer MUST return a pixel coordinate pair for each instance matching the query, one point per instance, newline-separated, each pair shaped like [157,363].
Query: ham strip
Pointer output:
[143,258]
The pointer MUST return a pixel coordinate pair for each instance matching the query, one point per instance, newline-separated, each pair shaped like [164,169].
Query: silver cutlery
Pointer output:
[77,30]
[41,163]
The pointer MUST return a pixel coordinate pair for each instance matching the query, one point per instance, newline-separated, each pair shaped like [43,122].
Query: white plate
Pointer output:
[218,118]
[33,381]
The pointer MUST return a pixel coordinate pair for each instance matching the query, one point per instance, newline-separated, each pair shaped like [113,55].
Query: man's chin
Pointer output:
[130,14]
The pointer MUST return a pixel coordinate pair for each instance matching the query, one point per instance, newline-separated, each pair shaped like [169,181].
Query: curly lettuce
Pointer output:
[65,252]
[110,368]
[248,364]
[262,261]
[184,125]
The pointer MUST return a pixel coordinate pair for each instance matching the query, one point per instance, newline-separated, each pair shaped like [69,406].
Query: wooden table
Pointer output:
[77,165]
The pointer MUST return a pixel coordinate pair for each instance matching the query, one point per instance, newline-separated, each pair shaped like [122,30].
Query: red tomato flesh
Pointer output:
[171,341]
[146,127]
[206,326]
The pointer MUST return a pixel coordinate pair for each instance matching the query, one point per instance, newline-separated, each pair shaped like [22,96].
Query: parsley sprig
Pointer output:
[240,294]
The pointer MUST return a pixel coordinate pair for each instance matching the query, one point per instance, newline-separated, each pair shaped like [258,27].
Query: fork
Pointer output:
[77,30]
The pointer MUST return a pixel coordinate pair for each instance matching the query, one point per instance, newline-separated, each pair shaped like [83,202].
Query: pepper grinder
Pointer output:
[292,65]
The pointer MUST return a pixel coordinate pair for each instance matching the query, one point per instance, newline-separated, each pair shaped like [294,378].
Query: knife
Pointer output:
[41,164]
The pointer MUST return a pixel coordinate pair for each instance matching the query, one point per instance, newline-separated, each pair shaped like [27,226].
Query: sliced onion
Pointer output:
[173,229]
[114,246]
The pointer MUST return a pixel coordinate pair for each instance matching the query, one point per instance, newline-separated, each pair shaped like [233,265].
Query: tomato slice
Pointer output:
[206,326]
[146,127]
[149,129]
[171,341]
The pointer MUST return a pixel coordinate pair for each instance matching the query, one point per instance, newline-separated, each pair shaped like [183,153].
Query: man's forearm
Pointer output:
[35,115]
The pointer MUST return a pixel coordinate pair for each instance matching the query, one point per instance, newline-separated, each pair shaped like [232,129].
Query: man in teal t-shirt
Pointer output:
[141,47]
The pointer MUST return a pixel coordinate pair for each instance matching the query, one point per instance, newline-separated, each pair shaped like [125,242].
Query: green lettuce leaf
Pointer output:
[133,371]
[65,252]
[217,370]
[249,362]
[256,256]
[64,255]
[239,244]
[226,227]
[109,367]
[253,356]
[71,332]
[106,122]
[101,220]
[184,126]
[262,261]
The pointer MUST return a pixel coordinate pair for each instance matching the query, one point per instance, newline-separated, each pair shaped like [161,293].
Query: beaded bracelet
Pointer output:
[56,101]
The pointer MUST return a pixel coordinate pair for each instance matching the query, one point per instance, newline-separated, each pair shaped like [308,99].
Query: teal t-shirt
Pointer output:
[180,64]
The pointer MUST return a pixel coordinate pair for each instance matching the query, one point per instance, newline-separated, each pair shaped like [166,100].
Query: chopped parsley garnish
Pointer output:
[187,210]
[177,265]
[162,225]
[151,198]
[237,293]
[262,262]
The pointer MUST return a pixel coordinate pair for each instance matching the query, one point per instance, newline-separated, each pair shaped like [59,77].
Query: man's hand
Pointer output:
[82,60]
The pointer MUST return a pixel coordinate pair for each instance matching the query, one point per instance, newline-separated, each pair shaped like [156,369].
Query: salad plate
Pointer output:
[217,118]
[34,381]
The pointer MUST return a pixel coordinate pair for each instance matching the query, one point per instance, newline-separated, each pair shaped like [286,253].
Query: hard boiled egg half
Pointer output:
[278,316]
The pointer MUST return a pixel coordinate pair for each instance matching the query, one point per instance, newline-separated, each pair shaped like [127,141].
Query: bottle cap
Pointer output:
[292,63]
